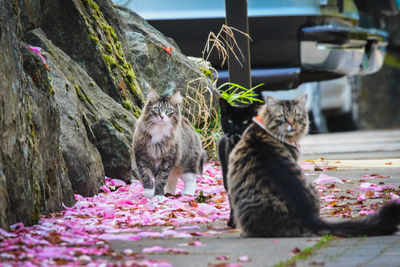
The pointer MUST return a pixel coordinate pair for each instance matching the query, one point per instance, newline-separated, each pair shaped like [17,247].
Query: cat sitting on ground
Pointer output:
[234,120]
[267,188]
[166,146]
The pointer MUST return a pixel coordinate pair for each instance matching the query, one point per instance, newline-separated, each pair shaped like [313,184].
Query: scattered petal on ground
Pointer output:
[115,214]
[325,179]
[79,235]
[244,259]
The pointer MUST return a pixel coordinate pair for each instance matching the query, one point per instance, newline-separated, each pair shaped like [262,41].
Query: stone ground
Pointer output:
[351,157]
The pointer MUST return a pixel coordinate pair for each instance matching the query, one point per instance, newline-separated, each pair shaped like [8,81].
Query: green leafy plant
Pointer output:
[238,94]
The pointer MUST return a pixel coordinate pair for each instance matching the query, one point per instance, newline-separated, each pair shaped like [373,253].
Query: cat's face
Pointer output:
[286,119]
[235,119]
[162,110]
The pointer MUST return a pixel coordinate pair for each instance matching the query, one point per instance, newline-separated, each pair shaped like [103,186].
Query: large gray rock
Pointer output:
[32,170]
[96,130]
[155,67]
[67,124]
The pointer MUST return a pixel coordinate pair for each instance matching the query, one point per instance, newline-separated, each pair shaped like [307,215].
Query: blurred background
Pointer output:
[344,54]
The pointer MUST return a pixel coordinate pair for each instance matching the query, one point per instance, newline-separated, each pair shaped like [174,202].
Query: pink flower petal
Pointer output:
[325,179]
[6,234]
[244,259]
[153,249]
[117,182]
[204,209]
[105,189]
[108,213]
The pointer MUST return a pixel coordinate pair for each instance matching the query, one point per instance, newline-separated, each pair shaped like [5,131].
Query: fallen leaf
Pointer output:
[296,250]
[314,263]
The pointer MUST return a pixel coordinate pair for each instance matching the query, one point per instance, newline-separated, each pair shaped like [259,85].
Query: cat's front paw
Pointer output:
[148,192]
[190,183]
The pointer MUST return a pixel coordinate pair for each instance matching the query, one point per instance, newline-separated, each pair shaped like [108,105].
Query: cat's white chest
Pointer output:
[159,132]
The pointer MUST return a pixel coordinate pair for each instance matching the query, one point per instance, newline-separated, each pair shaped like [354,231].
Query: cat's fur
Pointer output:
[267,188]
[234,120]
[166,146]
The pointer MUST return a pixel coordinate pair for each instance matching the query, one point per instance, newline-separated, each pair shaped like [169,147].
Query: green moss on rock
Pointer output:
[127,105]
[116,126]
[108,48]
[110,60]
[111,50]
[137,111]
[94,38]
[79,93]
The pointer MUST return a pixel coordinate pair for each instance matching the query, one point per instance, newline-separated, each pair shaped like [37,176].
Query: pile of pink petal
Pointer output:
[79,234]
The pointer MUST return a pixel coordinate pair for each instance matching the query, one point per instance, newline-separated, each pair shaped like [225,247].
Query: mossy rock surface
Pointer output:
[69,123]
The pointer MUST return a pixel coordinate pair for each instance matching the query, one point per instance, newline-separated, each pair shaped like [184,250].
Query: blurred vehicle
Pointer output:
[293,43]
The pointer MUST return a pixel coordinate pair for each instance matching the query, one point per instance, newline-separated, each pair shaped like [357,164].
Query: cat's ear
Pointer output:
[270,101]
[152,95]
[302,100]
[176,98]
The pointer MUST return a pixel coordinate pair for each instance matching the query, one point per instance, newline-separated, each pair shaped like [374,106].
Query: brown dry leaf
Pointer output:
[369,193]
[60,262]
[314,263]
[333,204]
[54,237]
[193,203]
[296,250]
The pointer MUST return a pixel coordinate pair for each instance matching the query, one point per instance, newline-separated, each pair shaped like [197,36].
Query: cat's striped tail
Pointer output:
[384,222]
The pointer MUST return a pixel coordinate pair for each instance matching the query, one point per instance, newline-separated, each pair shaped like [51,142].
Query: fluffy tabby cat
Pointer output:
[267,189]
[166,146]
[234,120]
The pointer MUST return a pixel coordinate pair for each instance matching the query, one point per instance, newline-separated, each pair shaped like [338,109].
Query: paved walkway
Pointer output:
[382,170]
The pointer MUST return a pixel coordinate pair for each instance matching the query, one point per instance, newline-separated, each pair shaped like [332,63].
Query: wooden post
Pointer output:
[236,17]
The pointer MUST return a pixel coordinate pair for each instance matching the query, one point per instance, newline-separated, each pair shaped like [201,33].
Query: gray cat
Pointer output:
[268,192]
[166,147]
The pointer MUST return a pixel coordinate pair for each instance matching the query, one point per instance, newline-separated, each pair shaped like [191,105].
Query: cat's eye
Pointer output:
[156,109]
[230,121]
[245,122]
[170,110]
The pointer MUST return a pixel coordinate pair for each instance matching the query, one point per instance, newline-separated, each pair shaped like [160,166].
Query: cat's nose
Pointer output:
[162,115]
[290,121]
